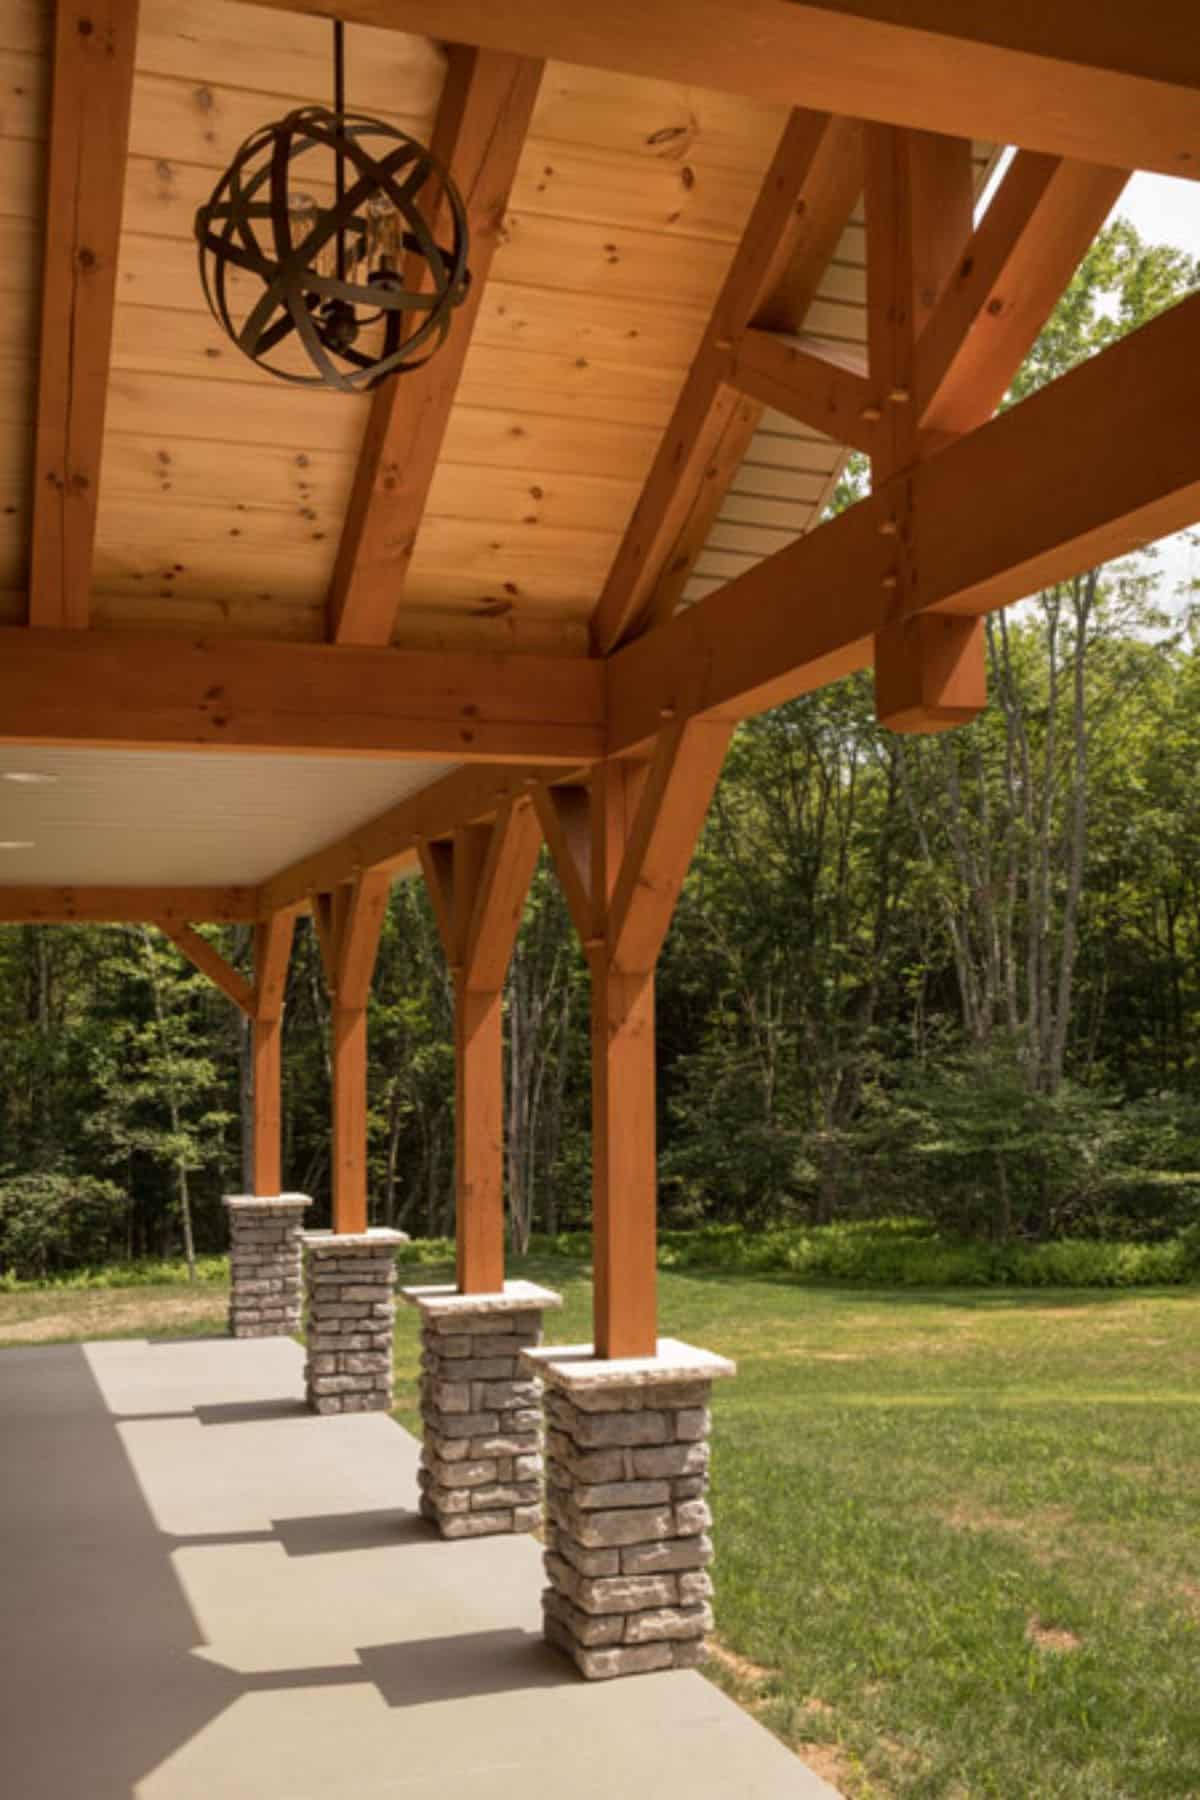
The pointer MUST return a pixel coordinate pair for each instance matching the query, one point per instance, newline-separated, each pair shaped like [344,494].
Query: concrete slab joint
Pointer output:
[627,1545]
[481,1456]
[351,1293]
[264,1263]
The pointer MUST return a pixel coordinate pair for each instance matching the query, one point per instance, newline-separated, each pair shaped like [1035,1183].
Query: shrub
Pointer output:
[55,1221]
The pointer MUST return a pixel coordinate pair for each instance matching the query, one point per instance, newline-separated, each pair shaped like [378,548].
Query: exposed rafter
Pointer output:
[1104,460]
[808,381]
[120,690]
[1038,227]
[1096,79]
[805,201]
[481,125]
[94,45]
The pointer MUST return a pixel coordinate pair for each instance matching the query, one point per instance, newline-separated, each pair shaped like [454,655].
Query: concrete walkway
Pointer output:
[210,1595]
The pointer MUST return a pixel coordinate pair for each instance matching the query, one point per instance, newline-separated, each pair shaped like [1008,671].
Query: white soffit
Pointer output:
[134,818]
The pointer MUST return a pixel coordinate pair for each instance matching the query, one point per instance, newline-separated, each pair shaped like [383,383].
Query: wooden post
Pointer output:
[349,922]
[272,951]
[624,1161]
[349,1144]
[478,1139]
[268,1072]
[621,882]
[477,884]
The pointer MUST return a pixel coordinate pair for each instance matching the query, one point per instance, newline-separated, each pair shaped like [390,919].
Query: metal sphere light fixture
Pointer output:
[360,287]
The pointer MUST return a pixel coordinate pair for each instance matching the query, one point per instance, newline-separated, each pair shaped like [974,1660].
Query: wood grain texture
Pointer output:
[801,210]
[125,905]
[94,48]
[1094,79]
[208,960]
[1098,463]
[481,126]
[124,691]
[1028,245]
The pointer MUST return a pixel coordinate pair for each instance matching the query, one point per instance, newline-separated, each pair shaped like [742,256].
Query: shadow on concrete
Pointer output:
[97,1638]
[456,1668]
[250,1412]
[324,1534]
[328,1534]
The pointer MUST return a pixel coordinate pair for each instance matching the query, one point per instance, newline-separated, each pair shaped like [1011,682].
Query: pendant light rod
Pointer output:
[339,107]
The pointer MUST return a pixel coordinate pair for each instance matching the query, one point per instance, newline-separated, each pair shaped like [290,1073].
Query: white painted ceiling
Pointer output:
[181,819]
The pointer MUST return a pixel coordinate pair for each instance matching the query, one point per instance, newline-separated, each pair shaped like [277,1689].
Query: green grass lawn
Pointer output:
[958,1534]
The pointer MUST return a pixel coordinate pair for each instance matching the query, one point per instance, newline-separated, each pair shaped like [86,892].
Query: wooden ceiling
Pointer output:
[606,487]
[223,490]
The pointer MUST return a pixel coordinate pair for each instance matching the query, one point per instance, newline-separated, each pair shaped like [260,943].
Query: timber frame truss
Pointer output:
[612,758]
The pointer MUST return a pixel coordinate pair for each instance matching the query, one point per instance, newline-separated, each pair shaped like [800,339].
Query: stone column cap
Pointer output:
[236,1202]
[515,1296]
[378,1238]
[576,1366]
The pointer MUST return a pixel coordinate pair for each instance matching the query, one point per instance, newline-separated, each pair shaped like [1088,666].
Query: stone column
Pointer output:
[264,1263]
[351,1317]
[627,1549]
[481,1462]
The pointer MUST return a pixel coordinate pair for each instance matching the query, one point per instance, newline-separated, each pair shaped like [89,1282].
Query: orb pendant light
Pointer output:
[317,249]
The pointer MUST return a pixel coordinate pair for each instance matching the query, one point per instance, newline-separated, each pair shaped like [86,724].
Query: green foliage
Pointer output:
[896,1253]
[51,1221]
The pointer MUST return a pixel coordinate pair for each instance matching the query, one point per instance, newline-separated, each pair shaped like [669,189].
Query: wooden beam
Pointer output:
[358,938]
[809,191]
[1031,239]
[503,885]
[391,841]
[1095,79]
[272,953]
[1102,461]
[204,956]
[565,814]
[918,201]
[919,208]
[132,692]
[91,90]
[930,673]
[126,905]
[670,813]
[480,129]
[808,380]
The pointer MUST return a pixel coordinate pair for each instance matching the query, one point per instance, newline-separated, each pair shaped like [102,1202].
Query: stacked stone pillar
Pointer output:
[351,1295]
[627,1545]
[264,1263]
[481,1462]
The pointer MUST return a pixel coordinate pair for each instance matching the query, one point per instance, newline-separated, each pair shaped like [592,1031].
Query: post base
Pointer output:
[351,1283]
[264,1263]
[627,1545]
[481,1458]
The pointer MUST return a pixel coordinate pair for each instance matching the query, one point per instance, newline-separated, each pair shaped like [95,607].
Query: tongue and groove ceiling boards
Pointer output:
[641,414]
[223,491]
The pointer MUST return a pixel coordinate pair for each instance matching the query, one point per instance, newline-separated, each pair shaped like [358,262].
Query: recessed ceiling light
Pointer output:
[30,777]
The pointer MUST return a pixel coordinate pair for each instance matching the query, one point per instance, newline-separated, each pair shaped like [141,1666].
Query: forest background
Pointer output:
[952,981]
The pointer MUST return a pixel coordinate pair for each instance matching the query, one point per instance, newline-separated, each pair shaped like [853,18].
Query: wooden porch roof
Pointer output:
[219,498]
